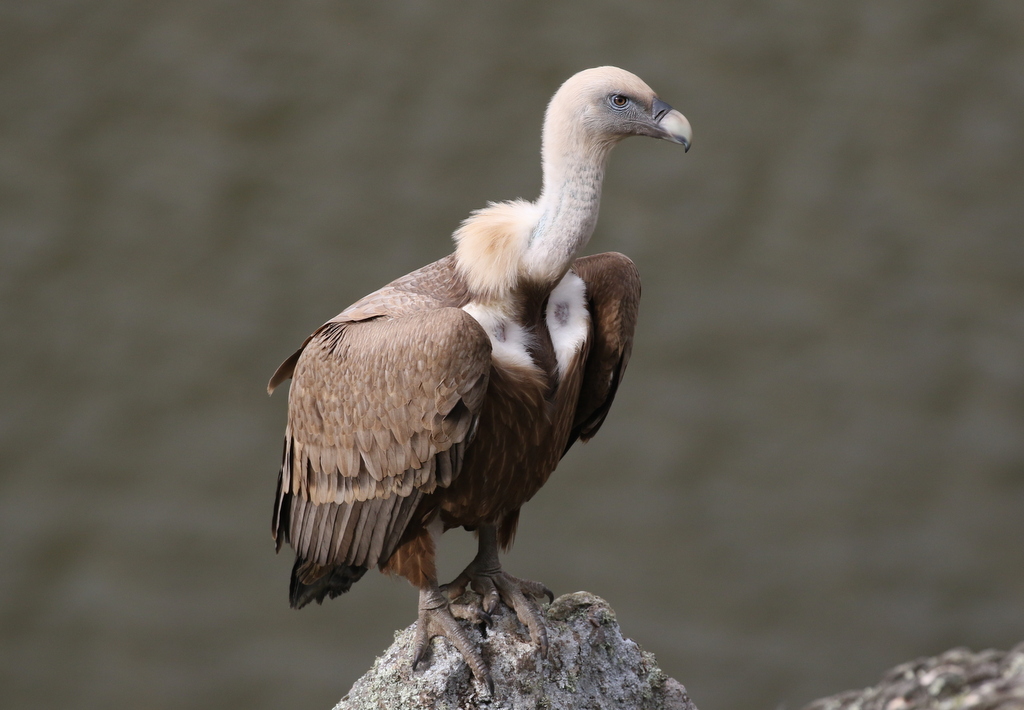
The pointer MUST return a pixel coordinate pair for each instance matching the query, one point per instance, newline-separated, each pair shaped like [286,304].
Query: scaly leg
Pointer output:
[436,619]
[485,576]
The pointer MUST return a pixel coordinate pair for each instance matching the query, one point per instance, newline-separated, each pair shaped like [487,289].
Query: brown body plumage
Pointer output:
[447,397]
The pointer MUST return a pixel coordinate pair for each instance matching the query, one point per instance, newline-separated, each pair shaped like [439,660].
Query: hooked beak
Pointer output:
[673,125]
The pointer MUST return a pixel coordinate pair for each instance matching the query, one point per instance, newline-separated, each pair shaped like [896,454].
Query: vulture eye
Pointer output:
[619,101]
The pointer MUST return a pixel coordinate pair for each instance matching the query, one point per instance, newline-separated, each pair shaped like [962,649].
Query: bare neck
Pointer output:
[512,245]
[568,204]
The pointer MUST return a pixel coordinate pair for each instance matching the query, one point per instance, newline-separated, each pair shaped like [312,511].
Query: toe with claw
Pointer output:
[485,577]
[436,619]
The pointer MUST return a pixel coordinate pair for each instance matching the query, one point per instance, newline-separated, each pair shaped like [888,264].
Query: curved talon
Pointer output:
[536,589]
[419,650]
[492,600]
[483,584]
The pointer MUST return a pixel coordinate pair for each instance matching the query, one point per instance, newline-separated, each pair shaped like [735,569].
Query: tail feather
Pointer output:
[313,582]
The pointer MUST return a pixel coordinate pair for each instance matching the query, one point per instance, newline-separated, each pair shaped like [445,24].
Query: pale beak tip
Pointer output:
[677,129]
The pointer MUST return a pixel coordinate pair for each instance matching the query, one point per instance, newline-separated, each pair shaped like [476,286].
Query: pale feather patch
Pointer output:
[436,528]
[509,340]
[568,319]
[490,244]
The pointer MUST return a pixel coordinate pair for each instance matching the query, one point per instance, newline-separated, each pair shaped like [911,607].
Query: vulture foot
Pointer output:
[487,579]
[436,619]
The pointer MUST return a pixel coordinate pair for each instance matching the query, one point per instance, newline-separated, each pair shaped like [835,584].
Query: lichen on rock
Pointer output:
[956,680]
[589,665]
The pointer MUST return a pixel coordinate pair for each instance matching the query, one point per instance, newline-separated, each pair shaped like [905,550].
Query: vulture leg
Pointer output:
[436,619]
[485,576]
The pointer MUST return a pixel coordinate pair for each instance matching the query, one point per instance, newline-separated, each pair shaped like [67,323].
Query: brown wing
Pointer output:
[436,285]
[613,295]
[379,413]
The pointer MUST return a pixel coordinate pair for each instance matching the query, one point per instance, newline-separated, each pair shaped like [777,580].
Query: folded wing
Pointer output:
[379,414]
[613,298]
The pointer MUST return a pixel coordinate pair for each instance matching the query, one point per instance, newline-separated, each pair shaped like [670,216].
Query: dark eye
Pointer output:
[619,101]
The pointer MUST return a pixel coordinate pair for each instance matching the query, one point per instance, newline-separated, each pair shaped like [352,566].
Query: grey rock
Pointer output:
[957,680]
[589,666]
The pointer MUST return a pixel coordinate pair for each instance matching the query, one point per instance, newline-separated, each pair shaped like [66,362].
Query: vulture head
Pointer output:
[503,243]
[599,107]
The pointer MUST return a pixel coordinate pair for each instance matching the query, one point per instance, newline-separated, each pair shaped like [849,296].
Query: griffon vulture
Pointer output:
[447,398]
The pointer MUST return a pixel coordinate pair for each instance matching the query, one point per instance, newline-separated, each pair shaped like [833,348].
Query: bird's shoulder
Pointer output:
[437,285]
[417,346]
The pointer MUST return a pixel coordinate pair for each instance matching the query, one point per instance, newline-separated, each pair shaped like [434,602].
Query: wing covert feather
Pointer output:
[372,402]
[377,414]
[436,285]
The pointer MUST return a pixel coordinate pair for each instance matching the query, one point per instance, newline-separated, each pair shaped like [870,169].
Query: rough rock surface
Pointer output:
[956,680]
[589,665]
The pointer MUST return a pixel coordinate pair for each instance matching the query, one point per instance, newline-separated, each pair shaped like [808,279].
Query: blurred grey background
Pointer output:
[814,469]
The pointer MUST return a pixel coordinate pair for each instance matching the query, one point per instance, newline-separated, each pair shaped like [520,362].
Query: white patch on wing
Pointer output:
[568,319]
[508,338]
